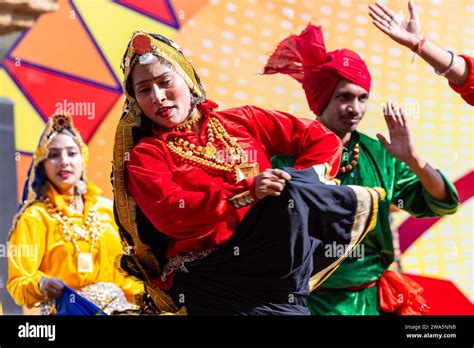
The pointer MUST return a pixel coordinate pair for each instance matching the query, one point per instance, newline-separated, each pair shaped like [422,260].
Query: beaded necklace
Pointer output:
[355,160]
[89,232]
[190,123]
[234,160]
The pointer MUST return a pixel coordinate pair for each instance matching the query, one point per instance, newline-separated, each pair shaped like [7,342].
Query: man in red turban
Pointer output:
[337,87]
[304,58]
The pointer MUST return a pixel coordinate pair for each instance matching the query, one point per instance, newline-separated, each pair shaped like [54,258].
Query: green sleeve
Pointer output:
[410,195]
[280,161]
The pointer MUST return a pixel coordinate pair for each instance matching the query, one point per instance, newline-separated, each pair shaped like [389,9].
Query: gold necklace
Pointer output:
[70,200]
[89,232]
[233,160]
[190,123]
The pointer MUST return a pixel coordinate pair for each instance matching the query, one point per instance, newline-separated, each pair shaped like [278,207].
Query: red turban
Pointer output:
[304,58]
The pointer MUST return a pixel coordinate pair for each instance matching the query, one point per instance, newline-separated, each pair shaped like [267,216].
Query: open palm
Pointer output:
[401,144]
[394,24]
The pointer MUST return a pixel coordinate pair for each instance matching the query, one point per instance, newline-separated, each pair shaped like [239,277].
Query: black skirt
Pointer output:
[279,251]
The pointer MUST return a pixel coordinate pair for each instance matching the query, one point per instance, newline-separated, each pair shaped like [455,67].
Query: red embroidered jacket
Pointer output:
[467,89]
[189,204]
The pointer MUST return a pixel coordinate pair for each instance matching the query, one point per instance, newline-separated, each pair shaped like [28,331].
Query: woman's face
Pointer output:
[64,165]
[162,94]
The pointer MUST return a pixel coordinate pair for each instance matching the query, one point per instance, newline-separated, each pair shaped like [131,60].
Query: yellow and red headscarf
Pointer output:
[144,46]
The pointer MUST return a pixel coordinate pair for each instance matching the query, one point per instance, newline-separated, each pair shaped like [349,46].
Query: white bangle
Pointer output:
[450,67]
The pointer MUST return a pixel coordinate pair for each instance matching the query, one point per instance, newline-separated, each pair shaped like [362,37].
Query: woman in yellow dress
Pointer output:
[64,232]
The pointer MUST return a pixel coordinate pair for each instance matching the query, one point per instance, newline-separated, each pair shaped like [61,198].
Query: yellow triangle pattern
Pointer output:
[113,36]
[28,123]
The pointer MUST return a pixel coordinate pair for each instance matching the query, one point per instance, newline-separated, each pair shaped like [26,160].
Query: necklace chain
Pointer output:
[187,125]
[89,232]
[207,156]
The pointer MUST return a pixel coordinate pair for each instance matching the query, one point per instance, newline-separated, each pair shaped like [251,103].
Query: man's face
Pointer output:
[345,109]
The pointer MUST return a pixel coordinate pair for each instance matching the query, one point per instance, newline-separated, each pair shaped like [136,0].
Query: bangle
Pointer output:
[450,67]
[241,200]
[418,47]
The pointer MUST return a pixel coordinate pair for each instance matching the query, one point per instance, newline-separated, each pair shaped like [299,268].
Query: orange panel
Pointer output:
[186,9]
[101,149]
[59,41]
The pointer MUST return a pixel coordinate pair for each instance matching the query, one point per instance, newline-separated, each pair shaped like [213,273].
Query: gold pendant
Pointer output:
[247,170]
[84,263]
[210,151]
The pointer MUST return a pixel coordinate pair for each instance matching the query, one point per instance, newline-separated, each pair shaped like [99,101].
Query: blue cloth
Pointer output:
[71,303]
[264,268]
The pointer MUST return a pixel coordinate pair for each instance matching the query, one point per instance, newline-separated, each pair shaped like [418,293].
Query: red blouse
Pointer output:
[467,89]
[189,204]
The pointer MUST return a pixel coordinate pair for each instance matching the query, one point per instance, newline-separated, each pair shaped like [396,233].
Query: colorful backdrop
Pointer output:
[73,56]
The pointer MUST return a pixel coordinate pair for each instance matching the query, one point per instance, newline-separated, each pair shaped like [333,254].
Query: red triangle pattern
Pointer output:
[48,91]
[443,296]
[160,10]
[412,228]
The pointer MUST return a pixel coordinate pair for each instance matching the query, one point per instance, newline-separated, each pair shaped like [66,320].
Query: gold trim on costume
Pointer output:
[144,44]
[126,208]
[246,170]
[177,262]
[364,221]
[107,296]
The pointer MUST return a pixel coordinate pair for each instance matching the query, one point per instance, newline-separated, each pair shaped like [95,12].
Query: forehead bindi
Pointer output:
[146,73]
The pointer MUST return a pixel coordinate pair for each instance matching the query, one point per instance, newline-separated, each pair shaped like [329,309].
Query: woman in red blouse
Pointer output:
[209,226]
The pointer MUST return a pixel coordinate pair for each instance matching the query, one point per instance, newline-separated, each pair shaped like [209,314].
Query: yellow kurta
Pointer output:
[37,248]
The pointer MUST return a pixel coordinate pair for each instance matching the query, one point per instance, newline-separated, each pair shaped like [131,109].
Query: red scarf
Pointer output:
[401,295]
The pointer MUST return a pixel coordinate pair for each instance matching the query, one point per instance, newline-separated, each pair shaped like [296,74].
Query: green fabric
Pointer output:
[375,168]
[343,302]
